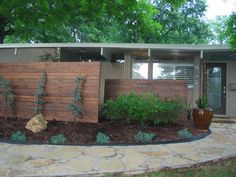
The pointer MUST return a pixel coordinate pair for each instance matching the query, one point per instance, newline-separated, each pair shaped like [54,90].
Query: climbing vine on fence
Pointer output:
[76,103]
[40,92]
[8,97]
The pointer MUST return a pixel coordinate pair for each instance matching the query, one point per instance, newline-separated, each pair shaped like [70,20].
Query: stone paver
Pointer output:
[51,160]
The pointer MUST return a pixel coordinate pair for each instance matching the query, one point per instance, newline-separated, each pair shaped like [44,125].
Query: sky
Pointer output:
[220,7]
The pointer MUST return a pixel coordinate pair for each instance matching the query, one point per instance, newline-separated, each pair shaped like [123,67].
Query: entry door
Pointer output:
[216,87]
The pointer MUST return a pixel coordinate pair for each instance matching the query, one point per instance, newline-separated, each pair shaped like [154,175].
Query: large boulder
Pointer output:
[36,123]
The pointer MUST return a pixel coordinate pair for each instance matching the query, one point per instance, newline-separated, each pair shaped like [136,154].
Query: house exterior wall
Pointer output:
[24,54]
[110,71]
[231,94]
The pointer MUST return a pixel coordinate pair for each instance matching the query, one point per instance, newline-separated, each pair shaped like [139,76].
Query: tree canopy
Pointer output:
[155,21]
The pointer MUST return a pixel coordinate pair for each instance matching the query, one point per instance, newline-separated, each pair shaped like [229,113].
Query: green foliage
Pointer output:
[58,139]
[202,102]
[183,25]
[8,96]
[231,30]
[142,108]
[18,136]
[218,29]
[47,57]
[185,133]
[102,138]
[40,92]
[144,137]
[76,104]
[83,20]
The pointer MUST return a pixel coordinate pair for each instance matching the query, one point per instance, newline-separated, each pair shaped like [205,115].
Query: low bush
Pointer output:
[58,139]
[143,108]
[102,138]
[144,137]
[18,136]
[185,133]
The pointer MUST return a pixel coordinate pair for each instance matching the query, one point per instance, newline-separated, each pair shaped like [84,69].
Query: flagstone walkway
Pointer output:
[51,160]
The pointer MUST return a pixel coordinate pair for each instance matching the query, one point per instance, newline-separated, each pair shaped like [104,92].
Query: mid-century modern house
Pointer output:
[208,69]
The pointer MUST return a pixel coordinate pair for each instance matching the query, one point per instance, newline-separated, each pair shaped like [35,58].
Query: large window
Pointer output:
[174,71]
[140,70]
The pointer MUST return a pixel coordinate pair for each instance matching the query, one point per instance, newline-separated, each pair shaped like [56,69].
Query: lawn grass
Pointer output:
[225,168]
[222,168]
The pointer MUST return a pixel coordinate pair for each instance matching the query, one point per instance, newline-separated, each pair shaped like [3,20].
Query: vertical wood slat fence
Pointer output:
[60,86]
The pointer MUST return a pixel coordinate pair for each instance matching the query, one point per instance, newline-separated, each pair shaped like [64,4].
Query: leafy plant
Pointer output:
[47,57]
[18,136]
[76,104]
[142,108]
[102,138]
[202,102]
[58,139]
[8,96]
[185,133]
[144,137]
[40,92]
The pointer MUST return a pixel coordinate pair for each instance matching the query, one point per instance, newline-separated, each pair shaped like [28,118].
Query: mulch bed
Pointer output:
[85,133]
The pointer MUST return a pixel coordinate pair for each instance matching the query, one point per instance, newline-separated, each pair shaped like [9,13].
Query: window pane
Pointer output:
[140,70]
[184,73]
[174,71]
[163,71]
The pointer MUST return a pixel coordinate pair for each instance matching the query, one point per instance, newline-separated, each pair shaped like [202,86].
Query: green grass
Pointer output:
[226,168]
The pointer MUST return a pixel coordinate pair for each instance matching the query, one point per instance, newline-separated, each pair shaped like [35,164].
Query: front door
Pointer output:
[216,87]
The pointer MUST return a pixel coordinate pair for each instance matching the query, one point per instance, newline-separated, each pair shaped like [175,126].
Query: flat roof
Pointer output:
[181,47]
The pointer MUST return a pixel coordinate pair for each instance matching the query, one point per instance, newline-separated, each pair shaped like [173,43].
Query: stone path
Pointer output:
[50,160]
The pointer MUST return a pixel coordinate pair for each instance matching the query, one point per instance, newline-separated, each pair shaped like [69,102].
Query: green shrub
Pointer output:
[144,137]
[185,133]
[102,138]
[142,108]
[18,136]
[167,111]
[58,139]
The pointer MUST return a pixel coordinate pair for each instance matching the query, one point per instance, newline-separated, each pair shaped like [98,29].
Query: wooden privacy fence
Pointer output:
[59,90]
[163,88]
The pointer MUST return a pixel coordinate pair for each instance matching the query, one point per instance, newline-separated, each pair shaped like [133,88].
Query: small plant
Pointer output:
[58,139]
[185,133]
[202,102]
[144,137]
[76,103]
[102,138]
[8,97]
[18,136]
[47,57]
[40,92]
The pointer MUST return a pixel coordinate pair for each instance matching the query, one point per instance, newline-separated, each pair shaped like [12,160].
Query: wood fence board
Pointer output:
[60,86]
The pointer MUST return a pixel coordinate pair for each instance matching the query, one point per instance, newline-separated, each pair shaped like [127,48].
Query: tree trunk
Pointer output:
[2,30]
[2,36]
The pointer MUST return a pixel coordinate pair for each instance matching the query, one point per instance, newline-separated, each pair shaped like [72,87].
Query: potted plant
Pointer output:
[202,116]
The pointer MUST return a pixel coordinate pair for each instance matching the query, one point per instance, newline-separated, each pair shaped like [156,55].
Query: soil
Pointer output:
[85,133]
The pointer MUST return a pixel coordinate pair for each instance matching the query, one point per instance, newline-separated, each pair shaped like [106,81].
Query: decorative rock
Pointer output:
[37,123]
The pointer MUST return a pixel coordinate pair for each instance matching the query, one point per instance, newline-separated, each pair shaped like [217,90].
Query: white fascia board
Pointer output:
[177,47]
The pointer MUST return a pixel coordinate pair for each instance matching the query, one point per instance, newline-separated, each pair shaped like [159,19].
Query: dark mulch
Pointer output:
[85,133]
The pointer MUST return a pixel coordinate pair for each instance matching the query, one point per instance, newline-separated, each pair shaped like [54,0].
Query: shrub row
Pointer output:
[143,108]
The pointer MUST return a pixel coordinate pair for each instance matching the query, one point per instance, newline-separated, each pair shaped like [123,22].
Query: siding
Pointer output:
[24,54]
[110,71]
[231,95]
